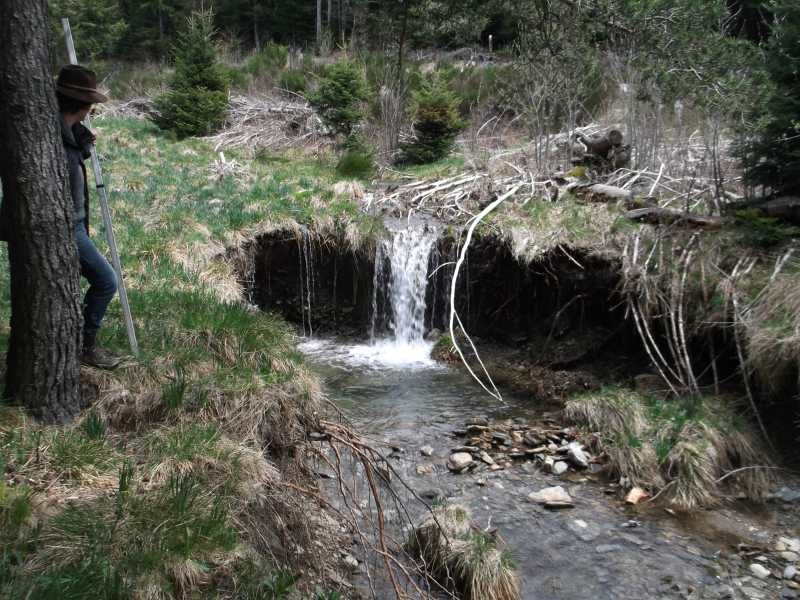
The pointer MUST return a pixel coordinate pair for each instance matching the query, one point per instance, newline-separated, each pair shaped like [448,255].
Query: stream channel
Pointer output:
[398,397]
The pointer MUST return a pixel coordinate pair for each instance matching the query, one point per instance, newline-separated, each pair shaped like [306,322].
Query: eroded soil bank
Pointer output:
[547,331]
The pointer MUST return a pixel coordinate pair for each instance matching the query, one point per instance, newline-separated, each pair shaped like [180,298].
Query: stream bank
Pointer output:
[548,330]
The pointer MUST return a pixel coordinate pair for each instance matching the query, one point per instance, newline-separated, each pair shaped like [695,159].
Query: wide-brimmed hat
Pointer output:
[79,83]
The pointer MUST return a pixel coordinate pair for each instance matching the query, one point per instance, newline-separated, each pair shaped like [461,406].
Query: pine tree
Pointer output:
[97,25]
[197,100]
[772,159]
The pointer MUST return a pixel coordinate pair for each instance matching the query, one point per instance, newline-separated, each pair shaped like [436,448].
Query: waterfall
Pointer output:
[407,253]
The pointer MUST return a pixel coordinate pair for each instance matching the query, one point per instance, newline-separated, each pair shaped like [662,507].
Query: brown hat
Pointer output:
[79,83]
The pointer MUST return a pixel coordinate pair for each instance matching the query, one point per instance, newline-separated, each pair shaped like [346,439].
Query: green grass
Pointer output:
[153,496]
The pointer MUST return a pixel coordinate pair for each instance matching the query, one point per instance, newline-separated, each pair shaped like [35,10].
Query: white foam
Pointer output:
[382,354]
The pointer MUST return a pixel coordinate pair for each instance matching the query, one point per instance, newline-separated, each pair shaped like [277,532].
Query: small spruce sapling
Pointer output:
[436,121]
[197,101]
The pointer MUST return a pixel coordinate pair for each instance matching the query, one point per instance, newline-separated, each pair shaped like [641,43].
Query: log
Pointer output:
[669,216]
[600,192]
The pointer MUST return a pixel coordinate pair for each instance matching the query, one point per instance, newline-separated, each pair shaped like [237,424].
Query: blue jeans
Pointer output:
[102,283]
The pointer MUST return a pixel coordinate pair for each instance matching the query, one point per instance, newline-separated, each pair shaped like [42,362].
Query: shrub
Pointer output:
[198,97]
[269,62]
[358,160]
[436,123]
[294,81]
[340,96]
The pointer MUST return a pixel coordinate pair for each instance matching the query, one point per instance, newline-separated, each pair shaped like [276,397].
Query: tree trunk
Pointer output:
[43,371]
[256,36]
[319,24]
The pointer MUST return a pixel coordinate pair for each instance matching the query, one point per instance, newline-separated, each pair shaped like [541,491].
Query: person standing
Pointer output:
[76,91]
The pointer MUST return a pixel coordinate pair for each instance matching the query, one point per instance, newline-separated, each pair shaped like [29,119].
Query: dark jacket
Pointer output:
[77,143]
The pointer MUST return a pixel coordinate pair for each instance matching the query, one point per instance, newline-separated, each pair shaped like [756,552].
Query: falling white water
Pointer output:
[409,251]
[398,302]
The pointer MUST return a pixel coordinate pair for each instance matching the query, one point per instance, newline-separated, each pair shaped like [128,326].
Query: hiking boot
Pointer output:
[100,358]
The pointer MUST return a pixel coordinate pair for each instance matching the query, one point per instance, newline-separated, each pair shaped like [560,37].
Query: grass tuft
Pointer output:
[682,446]
[468,562]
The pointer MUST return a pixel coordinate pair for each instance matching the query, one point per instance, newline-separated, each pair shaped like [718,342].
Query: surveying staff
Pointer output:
[76,90]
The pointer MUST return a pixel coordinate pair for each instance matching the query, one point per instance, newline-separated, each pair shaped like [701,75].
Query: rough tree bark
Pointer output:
[43,369]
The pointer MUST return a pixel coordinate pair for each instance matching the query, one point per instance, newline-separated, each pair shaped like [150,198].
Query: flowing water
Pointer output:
[394,392]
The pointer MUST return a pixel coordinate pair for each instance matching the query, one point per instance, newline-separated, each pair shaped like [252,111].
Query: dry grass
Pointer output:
[684,448]
[469,562]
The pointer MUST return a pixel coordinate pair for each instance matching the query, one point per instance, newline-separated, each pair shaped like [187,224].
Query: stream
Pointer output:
[598,549]
[402,400]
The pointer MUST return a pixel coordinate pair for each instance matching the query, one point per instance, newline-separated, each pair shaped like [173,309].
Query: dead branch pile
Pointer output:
[135,108]
[270,123]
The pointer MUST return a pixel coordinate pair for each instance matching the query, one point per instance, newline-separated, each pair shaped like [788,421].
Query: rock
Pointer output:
[548,464]
[551,447]
[790,544]
[426,451]
[605,548]
[424,469]
[350,561]
[538,450]
[467,449]
[433,335]
[484,456]
[560,467]
[632,524]
[595,469]
[532,440]
[501,438]
[552,497]
[480,482]
[583,530]
[517,438]
[459,461]
[759,571]
[789,556]
[790,572]
[577,456]
[788,593]
[787,495]
[636,495]
[476,430]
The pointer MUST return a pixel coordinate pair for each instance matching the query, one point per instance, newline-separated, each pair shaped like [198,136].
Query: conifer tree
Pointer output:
[197,100]
[772,159]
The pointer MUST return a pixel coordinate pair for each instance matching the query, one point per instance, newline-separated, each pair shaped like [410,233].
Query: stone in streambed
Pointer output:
[501,438]
[424,469]
[426,451]
[789,556]
[560,467]
[459,461]
[790,572]
[759,571]
[484,456]
[552,497]
[577,456]
[636,495]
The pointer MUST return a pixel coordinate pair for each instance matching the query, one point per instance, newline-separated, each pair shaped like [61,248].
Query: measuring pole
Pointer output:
[101,191]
